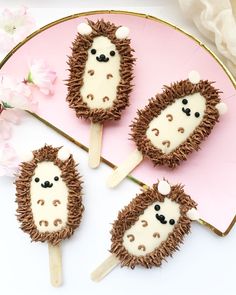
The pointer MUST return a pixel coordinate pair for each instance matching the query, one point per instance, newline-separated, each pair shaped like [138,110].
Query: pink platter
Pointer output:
[164,55]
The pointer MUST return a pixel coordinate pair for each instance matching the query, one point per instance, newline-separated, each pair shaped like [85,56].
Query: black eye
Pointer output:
[197,114]
[184,101]
[157,207]
[93,51]
[171,221]
[56,178]
[36,179]
[112,53]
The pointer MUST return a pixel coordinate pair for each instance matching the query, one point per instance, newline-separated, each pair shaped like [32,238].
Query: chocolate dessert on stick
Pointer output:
[99,84]
[172,125]
[150,228]
[48,195]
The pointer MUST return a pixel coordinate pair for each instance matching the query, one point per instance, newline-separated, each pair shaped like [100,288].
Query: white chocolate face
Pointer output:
[49,195]
[177,122]
[102,74]
[152,227]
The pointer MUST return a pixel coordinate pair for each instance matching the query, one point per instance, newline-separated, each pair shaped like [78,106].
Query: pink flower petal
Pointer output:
[42,76]
[5,130]
[12,115]
[9,160]
[16,93]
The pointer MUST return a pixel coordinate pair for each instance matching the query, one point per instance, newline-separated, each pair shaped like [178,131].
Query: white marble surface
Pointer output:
[206,262]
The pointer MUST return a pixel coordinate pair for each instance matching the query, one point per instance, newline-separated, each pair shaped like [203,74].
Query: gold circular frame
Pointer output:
[68,137]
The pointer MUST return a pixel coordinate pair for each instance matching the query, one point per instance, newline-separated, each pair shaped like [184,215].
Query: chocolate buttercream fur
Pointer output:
[74,206]
[159,103]
[77,62]
[130,214]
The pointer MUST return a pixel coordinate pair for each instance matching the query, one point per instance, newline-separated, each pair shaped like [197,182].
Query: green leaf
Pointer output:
[6,105]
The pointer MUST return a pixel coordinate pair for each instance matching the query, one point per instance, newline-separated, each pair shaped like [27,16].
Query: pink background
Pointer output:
[163,55]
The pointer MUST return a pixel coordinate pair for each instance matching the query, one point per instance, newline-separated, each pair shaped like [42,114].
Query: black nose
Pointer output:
[102,58]
[161,218]
[46,184]
[187,111]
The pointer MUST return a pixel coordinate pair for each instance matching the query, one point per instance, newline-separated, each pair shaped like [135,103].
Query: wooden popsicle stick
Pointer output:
[124,168]
[103,269]
[55,264]
[95,144]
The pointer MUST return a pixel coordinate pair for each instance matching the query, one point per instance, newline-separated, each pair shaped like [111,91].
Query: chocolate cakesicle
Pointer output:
[172,125]
[48,195]
[150,228]
[101,71]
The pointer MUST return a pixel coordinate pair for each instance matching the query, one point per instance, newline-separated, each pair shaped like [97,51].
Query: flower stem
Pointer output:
[29,78]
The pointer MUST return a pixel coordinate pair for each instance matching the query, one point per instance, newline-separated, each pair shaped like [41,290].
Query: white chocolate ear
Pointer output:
[26,156]
[84,29]
[163,187]
[194,77]
[222,108]
[122,32]
[193,214]
[63,154]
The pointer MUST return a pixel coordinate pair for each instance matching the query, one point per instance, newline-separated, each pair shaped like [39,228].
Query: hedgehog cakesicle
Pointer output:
[99,84]
[150,228]
[172,125]
[48,194]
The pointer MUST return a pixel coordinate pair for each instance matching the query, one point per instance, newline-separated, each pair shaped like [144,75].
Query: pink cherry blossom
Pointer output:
[15,25]
[15,97]
[42,76]
[9,160]
[16,94]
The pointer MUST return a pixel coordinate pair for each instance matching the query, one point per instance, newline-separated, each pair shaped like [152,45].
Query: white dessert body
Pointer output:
[149,232]
[176,122]
[102,75]
[49,198]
